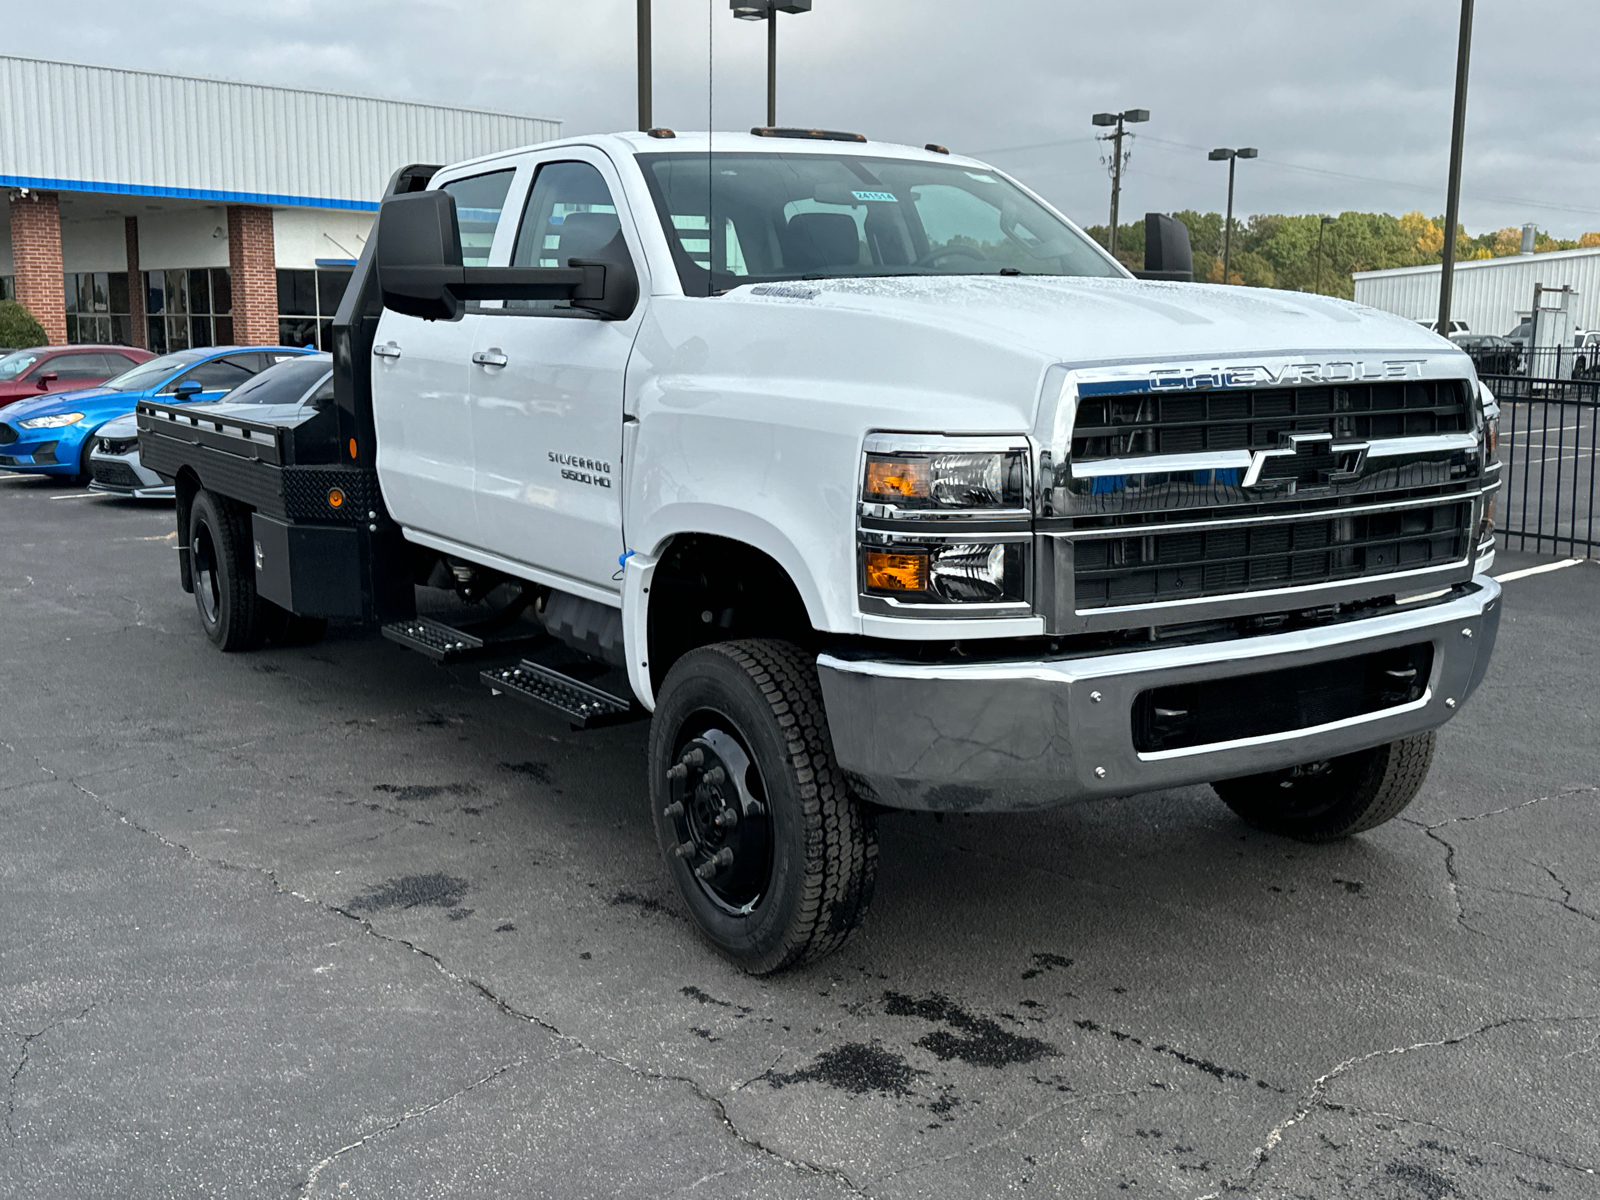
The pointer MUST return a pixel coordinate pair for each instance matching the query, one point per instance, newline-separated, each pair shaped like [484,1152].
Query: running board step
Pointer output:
[440,642]
[585,705]
[445,643]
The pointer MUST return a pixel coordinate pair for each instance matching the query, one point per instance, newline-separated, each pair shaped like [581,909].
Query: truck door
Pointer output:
[547,388]
[419,388]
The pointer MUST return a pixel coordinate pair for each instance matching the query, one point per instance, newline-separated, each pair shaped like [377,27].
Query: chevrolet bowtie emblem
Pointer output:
[1325,463]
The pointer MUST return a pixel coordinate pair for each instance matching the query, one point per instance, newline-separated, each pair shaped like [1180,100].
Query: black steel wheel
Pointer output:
[773,856]
[1325,801]
[224,574]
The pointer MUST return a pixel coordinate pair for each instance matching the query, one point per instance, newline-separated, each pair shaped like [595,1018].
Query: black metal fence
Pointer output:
[1549,433]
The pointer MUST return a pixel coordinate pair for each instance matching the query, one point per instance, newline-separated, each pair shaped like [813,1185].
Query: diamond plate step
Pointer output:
[585,705]
[440,642]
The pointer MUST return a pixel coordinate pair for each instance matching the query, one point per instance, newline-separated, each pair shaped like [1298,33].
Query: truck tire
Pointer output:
[739,726]
[1353,793]
[231,612]
[284,628]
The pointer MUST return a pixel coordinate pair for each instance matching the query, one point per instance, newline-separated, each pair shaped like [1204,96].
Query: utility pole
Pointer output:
[1458,136]
[645,119]
[768,10]
[1130,116]
[1232,157]
[1321,229]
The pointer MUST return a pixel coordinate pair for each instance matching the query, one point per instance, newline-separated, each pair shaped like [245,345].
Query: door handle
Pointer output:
[387,350]
[492,357]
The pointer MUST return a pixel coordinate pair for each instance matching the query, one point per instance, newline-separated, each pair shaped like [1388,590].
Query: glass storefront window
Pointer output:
[307,302]
[97,307]
[191,306]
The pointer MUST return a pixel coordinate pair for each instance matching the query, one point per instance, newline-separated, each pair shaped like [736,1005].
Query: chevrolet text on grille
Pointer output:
[1258,376]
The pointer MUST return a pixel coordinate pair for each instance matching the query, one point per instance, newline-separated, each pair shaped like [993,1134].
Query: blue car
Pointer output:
[53,434]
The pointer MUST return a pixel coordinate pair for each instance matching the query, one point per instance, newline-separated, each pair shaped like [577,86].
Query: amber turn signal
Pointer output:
[897,572]
[335,498]
[352,447]
[890,477]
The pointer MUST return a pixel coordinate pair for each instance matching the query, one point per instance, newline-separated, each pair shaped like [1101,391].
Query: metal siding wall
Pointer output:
[1489,297]
[128,128]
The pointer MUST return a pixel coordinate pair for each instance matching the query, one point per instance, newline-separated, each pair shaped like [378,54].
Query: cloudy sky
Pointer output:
[1348,100]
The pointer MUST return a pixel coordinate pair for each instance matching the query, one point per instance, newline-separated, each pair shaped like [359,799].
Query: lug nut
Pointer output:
[1095,696]
[722,858]
[684,850]
[677,772]
[715,776]
[1099,772]
[1449,702]
[694,759]
[1466,633]
[673,811]
[727,818]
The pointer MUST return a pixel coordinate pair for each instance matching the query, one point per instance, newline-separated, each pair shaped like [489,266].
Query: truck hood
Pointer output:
[1080,321]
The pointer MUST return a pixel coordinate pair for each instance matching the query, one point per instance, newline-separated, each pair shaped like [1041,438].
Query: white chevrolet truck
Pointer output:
[872,482]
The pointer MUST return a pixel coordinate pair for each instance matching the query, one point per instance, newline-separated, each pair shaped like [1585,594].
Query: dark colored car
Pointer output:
[25,374]
[1490,353]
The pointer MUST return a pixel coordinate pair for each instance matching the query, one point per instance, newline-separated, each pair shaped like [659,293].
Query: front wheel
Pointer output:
[772,854]
[1324,801]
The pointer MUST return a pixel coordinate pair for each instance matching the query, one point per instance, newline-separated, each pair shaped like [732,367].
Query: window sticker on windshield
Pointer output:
[889,196]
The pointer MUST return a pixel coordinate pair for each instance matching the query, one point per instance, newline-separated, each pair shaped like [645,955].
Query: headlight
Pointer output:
[945,526]
[950,480]
[55,422]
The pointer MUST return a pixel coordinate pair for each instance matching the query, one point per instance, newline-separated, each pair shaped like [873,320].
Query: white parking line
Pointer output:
[1539,570]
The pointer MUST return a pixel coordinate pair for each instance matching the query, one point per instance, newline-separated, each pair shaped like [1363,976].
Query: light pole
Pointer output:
[1321,229]
[1232,157]
[1131,116]
[768,10]
[1458,136]
[643,28]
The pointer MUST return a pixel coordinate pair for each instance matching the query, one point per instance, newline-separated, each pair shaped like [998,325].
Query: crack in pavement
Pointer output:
[27,1046]
[1314,1101]
[319,1167]
[1453,877]
[1547,1159]
[716,1105]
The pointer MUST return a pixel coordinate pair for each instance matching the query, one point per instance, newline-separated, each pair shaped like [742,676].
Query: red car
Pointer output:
[28,373]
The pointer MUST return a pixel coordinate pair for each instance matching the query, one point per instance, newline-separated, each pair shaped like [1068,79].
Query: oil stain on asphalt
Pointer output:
[411,891]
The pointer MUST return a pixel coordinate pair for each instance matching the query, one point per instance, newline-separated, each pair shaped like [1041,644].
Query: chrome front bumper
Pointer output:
[986,736]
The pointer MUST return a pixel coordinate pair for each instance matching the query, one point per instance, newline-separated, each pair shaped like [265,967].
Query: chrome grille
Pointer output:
[1239,557]
[1187,422]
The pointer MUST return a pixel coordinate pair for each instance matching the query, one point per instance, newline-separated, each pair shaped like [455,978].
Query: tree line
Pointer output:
[1271,250]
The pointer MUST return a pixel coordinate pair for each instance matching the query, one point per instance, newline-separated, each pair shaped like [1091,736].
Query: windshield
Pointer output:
[13,365]
[284,383]
[818,216]
[148,374]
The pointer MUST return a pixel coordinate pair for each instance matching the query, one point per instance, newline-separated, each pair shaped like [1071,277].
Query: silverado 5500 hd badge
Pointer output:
[583,470]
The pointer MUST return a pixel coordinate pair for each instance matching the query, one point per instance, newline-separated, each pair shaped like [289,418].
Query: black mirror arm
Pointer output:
[586,281]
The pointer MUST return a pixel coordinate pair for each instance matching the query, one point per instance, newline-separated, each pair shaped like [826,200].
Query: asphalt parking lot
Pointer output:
[337,921]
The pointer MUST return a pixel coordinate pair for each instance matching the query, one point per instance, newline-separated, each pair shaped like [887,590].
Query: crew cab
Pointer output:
[874,484]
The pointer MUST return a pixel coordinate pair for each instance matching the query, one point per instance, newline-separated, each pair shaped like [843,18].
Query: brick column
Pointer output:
[136,293]
[252,264]
[36,258]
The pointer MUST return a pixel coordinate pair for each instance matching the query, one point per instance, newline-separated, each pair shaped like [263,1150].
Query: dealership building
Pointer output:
[165,212]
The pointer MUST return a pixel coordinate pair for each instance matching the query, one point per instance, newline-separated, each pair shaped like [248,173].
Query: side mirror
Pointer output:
[189,389]
[46,380]
[1166,249]
[620,292]
[418,255]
